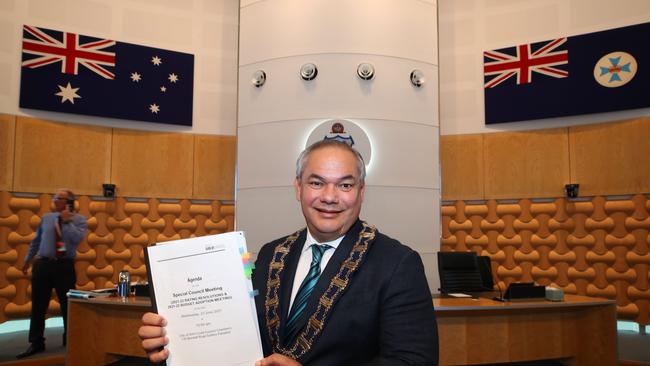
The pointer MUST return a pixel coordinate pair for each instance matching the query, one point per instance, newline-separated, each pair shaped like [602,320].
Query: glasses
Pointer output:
[57,198]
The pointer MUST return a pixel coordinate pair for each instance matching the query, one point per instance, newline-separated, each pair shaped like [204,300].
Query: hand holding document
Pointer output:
[202,287]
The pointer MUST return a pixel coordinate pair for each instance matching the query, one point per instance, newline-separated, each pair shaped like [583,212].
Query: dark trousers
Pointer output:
[49,274]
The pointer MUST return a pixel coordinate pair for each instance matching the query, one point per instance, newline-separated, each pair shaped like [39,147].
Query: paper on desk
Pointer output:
[200,286]
[458,294]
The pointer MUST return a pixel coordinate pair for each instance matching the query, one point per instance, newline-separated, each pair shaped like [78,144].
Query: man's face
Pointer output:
[330,192]
[60,199]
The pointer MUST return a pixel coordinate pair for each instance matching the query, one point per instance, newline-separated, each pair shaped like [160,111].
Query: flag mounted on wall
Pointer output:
[590,73]
[72,73]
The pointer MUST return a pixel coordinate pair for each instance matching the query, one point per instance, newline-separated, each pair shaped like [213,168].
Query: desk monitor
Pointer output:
[459,272]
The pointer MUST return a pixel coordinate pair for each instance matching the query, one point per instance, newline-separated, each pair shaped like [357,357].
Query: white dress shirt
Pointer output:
[305,261]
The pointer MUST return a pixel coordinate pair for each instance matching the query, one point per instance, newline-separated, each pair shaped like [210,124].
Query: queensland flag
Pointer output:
[590,73]
[72,73]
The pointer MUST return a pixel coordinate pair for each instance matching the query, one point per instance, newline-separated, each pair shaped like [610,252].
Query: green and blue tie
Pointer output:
[306,287]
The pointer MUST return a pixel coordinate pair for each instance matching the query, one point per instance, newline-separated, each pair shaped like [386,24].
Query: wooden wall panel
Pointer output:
[461,159]
[7,134]
[50,155]
[526,164]
[152,164]
[214,167]
[612,158]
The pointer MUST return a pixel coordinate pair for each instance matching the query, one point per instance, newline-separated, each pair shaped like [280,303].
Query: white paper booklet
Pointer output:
[202,287]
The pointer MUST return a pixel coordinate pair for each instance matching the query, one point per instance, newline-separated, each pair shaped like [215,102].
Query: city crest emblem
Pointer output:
[338,133]
[344,131]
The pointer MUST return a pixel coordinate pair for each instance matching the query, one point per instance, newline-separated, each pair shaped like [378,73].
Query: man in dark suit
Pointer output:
[338,292]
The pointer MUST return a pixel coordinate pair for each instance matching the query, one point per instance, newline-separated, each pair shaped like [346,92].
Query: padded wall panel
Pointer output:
[214,167]
[268,29]
[52,155]
[461,160]
[337,91]
[597,247]
[612,158]
[526,164]
[118,231]
[158,164]
[7,135]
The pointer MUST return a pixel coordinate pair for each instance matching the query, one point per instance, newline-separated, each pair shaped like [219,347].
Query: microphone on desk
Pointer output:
[500,298]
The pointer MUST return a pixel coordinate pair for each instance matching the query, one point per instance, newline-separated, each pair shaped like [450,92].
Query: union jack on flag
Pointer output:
[521,61]
[75,73]
[95,54]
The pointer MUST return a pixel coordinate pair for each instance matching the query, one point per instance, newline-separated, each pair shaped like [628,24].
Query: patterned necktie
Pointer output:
[306,287]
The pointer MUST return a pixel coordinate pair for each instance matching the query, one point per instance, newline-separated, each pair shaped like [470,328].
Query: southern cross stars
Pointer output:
[136,77]
[173,78]
[615,69]
[68,93]
[154,108]
[156,60]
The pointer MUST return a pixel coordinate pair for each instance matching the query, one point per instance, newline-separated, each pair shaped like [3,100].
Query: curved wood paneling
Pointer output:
[7,135]
[461,160]
[52,155]
[526,164]
[146,164]
[118,232]
[214,167]
[611,158]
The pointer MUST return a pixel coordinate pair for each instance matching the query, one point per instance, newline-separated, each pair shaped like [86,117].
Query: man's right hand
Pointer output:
[152,333]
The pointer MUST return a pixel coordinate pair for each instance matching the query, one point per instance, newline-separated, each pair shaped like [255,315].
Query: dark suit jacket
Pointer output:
[385,317]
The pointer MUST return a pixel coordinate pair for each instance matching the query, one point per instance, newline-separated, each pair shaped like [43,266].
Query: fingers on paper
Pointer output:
[277,360]
[158,356]
[153,319]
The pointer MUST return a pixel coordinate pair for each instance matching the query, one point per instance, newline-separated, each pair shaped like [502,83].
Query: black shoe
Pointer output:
[32,350]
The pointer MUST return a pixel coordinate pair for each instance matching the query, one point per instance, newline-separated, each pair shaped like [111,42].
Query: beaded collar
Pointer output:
[337,286]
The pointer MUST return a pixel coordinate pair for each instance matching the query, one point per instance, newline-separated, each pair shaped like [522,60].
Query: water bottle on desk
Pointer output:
[124,284]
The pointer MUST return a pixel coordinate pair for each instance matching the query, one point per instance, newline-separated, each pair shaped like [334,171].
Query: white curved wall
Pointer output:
[274,121]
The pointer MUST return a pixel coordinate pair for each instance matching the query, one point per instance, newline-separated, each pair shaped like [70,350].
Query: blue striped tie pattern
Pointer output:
[306,287]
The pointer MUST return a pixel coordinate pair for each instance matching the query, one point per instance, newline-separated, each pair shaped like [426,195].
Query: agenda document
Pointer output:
[202,287]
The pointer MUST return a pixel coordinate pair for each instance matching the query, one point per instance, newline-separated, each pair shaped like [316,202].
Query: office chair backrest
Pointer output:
[485,269]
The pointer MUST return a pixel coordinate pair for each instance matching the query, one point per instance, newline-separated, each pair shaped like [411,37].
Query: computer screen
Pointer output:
[460,272]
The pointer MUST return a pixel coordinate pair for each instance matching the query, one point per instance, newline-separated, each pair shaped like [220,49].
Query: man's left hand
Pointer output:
[277,359]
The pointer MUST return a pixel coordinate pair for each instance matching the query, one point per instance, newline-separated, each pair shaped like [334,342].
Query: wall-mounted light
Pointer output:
[308,71]
[365,71]
[417,78]
[259,78]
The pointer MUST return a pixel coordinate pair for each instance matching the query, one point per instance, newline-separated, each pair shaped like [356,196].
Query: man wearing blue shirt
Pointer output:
[54,247]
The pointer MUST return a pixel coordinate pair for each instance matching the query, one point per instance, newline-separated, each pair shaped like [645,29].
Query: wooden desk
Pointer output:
[578,331]
[102,330]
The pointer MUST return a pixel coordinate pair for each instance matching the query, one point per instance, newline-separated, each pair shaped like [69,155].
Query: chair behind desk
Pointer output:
[460,272]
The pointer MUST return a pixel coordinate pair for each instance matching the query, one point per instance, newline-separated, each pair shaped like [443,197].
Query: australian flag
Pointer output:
[590,73]
[72,73]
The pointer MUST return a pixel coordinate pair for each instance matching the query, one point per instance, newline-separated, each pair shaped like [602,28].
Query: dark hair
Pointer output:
[304,156]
